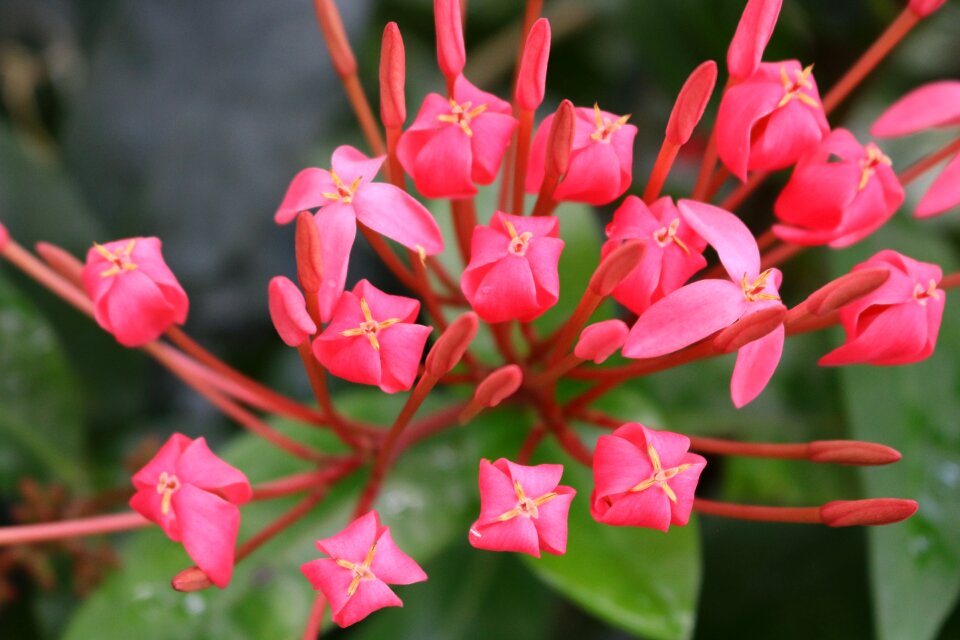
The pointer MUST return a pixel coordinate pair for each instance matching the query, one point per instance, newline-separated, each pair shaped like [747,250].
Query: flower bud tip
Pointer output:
[532,75]
[451,53]
[560,139]
[616,267]
[601,340]
[874,511]
[691,103]
[189,580]
[852,452]
[60,260]
[452,344]
[846,289]
[393,107]
[750,327]
[331,25]
[309,260]
[499,385]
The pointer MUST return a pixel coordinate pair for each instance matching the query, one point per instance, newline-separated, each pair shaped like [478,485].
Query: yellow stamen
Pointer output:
[462,114]
[525,506]
[659,476]
[666,235]
[343,193]
[121,259]
[869,164]
[360,571]
[369,327]
[921,295]
[753,291]
[167,485]
[793,89]
[605,126]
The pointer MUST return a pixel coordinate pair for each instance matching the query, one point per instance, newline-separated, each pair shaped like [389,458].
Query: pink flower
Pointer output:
[522,509]
[345,195]
[363,561]
[770,119]
[601,161]
[751,38]
[644,478]
[457,143]
[672,250]
[193,495]
[372,339]
[897,323]
[512,273]
[135,295]
[839,193]
[697,310]
[288,310]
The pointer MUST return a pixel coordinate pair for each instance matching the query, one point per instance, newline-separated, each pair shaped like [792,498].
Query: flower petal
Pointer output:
[349,163]
[936,104]
[944,193]
[305,192]
[897,335]
[725,232]
[593,176]
[370,596]
[401,347]
[337,224]
[552,521]
[208,527]
[756,362]
[518,534]
[354,541]
[442,168]
[200,467]
[396,214]
[393,566]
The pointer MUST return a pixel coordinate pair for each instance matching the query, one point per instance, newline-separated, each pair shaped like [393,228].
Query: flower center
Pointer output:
[754,291]
[369,327]
[120,260]
[666,235]
[526,507]
[660,475]
[462,114]
[167,485]
[343,193]
[360,571]
[518,243]
[921,295]
[869,164]
[794,88]
[605,126]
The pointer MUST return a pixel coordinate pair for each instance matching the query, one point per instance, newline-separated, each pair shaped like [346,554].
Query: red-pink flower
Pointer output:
[897,323]
[522,509]
[456,143]
[372,339]
[363,560]
[347,194]
[839,193]
[193,495]
[644,478]
[770,119]
[701,308]
[512,273]
[672,250]
[751,38]
[135,295]
[601,160]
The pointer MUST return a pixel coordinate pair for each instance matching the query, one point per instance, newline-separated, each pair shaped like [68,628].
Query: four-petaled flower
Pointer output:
[644,478]
[522,509]
[135,295]
[194,496]
[363,561]
[372,339]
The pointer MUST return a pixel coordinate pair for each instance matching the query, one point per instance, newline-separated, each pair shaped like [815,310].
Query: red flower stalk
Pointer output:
[363,560]
[135,295]
[522,509]
[193,495]
[751,37]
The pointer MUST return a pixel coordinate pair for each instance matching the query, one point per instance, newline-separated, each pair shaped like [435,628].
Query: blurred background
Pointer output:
[187,119]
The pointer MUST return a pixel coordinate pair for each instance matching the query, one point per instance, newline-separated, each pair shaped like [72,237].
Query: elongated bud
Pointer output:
[61,261]
[874,511]
[4,236]
[452,344]
[331,25]
[852,452]
[451,54]
[560,139]
[532,76]
[499,385]
[189,580]
[751,38]
[309,260]
[845,289]
[288,310]
[750,327]
[691,103]
[393,75]
[601,340]
[616,267]
[923,8]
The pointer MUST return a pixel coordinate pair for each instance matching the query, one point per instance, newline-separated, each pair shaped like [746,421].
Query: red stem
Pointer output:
[661,169]
[315,622]
[464,214]
[524,130]
[923,165]
[97,525]
[803,515]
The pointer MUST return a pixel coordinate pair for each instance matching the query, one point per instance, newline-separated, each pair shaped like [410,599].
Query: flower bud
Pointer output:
[452,344]
[560,139]
[874,511]
[288,310]
[601,340]
[923,8]
[61,261]
[846,289]
[309,261]
[691,103]
[189,580]
[616,267]
[499,385]
[393,107]
[451,54]
[750,327]
[331,25]
[751,38]
[852,452]
[532,75]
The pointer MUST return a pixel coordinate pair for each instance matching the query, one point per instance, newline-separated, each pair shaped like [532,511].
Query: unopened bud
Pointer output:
[560,139]
[750,327]
[192,579]
[923,8]
[614,269]
[846,289]
[874,511]
[288,310]
[532,75]
[331,25]
[309,259]
[851,452]
[452,344]
[751,38]
[691,103]
[451,53]
[499,385]
[393,75]
[61,261]
[601,340]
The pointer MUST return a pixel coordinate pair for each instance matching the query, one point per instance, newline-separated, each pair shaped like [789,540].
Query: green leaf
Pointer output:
[915,565]
[39,401]
[640,580]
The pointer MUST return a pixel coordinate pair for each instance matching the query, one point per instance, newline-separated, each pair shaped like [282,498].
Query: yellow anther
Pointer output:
[659,476]
[869,164]
[462,114]
[526,506]
[753,291]
[343,193]
[794,88]
[369,327]
[167,485]
[360,571]
[121,259]
[666,235]
[605,126]
[921,295]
